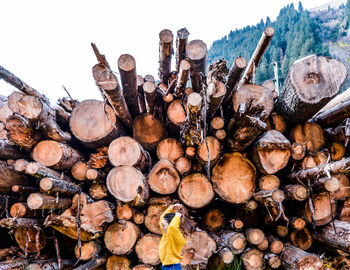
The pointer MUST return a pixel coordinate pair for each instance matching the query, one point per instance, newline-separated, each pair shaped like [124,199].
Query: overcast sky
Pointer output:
[47,43]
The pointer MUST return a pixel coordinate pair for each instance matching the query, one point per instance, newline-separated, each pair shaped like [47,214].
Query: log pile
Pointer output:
[261,176]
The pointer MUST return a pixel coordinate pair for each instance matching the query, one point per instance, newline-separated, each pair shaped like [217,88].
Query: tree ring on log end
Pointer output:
[47,153]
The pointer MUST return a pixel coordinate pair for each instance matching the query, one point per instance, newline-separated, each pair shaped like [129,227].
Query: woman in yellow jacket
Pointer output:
[172,239]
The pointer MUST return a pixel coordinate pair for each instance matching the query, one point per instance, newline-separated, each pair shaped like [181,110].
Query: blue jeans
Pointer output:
[175,266]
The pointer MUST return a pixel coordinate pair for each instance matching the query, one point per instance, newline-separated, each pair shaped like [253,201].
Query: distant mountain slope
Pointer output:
[298,33]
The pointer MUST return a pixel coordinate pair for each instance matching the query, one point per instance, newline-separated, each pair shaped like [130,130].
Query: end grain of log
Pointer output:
[79,170]
[196,52]
[42,201]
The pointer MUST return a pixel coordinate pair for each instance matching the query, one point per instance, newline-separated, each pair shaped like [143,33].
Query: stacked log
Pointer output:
[258,185]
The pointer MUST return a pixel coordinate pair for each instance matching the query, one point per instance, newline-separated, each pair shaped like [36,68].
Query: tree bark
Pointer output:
[94,263]
[16,223]
[127,70]
[257,55]
[311,83]
[216,92]
[181,42]
[9,177]
[147,249]
[120,238]
[182,78]
[234,75]
[128,184]
[110,87]
[165,52]
[229,183]
[9,151]
[40,171]
[94,123]
[42,201]
[61,187]
[88,250]
[195,191]
[296,192]
[196,52]
[294,258]
[56,155]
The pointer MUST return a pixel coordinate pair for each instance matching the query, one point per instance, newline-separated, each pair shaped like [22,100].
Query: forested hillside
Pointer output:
[299,32]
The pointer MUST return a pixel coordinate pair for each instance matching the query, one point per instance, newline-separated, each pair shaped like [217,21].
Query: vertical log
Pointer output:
[181,42]
[165,52]
[182,78]
[150,93]
[234,75]
[196,51]
[127,70]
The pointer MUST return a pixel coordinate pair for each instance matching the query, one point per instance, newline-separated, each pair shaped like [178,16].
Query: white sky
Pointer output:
[47,43]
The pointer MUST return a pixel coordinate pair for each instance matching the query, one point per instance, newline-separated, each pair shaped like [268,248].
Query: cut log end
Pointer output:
[196,50]
[126,62]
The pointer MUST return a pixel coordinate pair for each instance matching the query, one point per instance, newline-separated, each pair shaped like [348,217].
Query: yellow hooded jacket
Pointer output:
[172,241]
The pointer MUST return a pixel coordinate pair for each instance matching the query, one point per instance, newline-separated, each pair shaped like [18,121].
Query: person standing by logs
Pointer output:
[172,239]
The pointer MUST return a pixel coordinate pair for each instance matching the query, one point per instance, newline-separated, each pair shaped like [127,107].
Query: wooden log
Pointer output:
[40,171]
[170,149]
[21,85]
[264,245]
[127,71]
[257,55]
[324,209]
[279,123]
[196,52]
[195,190]
[55,187]
[20,132]
[155,209]
[217,123]
[6,252]
[337,151]
[269,182]
[55,154]
[5,111]
[229,183]
[182,78]
[21,210]
[24,189]
[150,93]
[62,116]
[94,124]
[338,238]
[234,240]
[295,192]
[271,152]
[298,151]
[109,85]
[88,250]
[208,151]
[141,97]
[282,231]
[297,223]
[309,134]
[254,236]
[236,224]
[344,187]
[120,238]
[30,239]
[139,218]
[68,104]
[98,191]
[345,211]
[311,85]
[9,177]
[147,249]
[135,192]
[3,131]
[326,184]
[35,109]
[296,259]
[96,215]
[276,245]
[313,160]
[94,263]
[118,263]
[336,167]
[214,220]
[253,259]
[176,113]
[216,92]
[165,52]
[201,245]
[273,260]
[95,175]
[42,201]
[124,211]
[16,223]
[181,42]
[79,170]
[301,238]
[127,151]
[148,131]
[8,150]
[163,178]
[234,75]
